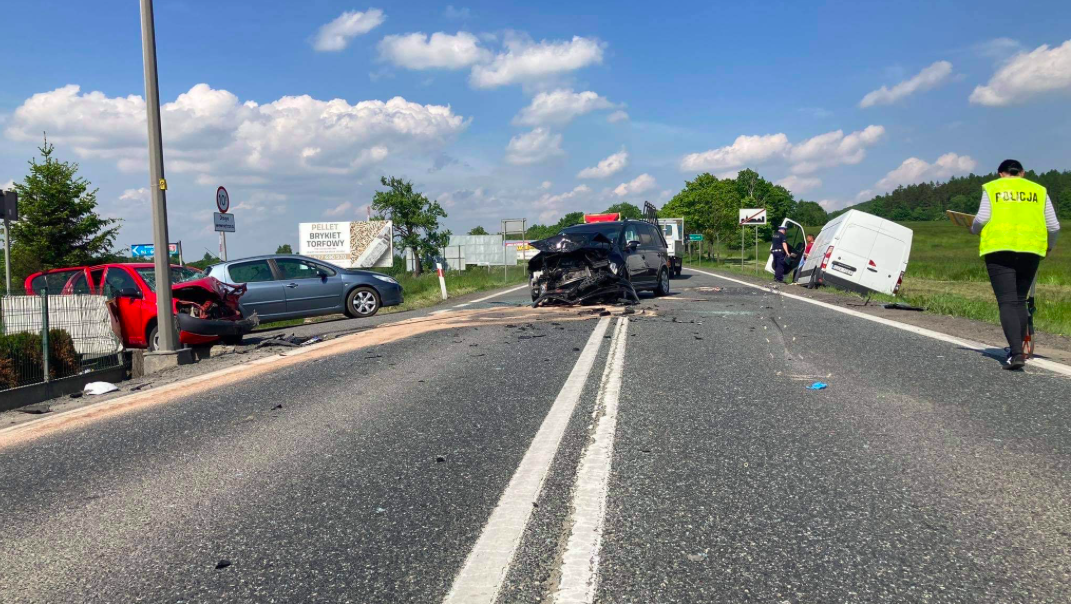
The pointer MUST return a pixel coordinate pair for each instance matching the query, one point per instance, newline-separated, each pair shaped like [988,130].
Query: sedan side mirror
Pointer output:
[129,292]
[321,274]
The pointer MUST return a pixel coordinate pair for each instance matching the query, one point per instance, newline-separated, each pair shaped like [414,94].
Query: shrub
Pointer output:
[20,358]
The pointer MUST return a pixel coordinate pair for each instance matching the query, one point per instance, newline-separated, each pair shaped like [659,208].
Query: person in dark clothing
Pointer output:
[779,250]
[1018,225]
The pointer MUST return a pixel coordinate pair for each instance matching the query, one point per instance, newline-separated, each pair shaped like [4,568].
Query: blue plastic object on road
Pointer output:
[818,386]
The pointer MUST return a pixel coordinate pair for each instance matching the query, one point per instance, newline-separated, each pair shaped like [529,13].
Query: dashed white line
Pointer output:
[486,298]
[936,335]
[580,562]
[484,571]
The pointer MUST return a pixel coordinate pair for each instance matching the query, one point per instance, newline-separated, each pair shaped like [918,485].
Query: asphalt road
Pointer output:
[700,470]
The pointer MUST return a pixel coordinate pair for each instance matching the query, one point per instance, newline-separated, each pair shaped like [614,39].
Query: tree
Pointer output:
[284,249]
[1063,206]
[477,230]
[809,213]
[206,261]
[627,211]
[58,225]
[416,219]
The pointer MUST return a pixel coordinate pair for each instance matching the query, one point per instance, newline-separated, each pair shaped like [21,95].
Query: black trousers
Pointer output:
[779,266]
[1012,274]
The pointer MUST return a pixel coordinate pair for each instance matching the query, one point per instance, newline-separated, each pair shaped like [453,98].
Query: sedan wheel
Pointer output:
[363,302]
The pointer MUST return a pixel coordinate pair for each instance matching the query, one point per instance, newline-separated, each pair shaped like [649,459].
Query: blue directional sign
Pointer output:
[148,250]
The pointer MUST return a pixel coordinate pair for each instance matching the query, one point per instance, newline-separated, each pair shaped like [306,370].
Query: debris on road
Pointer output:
[224,563]
[311,341]
[277,407]
[97,388]
[439,459]
[36,410]
[901,306]
[818,386]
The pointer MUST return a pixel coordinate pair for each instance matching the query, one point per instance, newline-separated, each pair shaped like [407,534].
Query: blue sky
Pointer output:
[510,109]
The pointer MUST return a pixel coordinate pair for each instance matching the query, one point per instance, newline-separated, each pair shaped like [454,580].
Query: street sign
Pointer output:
[695,237]
[223,200]
[146,250]
[9,209]
[752,216]
[224,222]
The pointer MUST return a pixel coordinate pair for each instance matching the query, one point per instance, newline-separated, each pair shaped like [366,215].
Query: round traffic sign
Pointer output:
[223,200]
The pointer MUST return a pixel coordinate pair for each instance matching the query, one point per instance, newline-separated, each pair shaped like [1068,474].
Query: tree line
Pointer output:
[928,200]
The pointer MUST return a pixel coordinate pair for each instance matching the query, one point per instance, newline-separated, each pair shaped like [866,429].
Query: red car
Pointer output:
[206,309]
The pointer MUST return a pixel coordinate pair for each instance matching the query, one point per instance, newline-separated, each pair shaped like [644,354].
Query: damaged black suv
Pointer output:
[599,262]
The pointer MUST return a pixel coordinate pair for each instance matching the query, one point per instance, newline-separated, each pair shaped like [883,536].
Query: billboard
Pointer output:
[348,244]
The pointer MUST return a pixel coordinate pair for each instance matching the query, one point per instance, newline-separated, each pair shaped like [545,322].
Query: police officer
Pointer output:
[1018,225]
[779,249]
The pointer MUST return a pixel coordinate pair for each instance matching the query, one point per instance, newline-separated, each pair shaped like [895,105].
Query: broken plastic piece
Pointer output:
[94,388]
[818,386]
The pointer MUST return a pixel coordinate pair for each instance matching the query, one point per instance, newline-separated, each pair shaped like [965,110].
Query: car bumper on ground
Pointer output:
[216,327]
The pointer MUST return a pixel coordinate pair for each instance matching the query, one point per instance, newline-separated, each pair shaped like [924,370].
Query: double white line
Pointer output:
[485,569]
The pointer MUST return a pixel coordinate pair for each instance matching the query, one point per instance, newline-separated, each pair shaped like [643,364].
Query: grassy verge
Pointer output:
[424,291]
[969,299]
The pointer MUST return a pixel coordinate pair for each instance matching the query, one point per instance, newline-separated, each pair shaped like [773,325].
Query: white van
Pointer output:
[859,252]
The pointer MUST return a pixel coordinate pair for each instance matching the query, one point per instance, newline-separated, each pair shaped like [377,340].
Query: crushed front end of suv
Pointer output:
[577,268]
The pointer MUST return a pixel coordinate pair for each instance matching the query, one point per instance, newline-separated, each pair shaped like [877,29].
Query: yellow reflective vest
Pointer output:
[1017,223]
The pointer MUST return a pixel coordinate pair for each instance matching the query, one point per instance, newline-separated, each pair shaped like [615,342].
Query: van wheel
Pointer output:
[662,289]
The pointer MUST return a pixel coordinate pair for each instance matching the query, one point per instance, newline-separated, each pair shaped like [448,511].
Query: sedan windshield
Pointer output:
[609,230]
[179,274]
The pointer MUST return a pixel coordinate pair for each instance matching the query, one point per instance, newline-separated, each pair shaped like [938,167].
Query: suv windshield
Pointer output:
[179,274]
[609,230]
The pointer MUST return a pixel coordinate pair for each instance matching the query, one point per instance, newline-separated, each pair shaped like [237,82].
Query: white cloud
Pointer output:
[437,51]
[998,48]
[864,195]
[799,184]
[830,205]
[914,170]
[546,184]
[822,151]
[1027,75]
[7,186]
[641,184]
[559,107]
[336,35]
[533,147]
[210,133]
[744,150]
[457,14]
[617,116]
[833,149]
[339,210]
[607,167]
[927,79]
[525,61]
[551,207]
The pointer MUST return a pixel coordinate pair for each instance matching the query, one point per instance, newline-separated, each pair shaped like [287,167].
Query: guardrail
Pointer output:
[44,338]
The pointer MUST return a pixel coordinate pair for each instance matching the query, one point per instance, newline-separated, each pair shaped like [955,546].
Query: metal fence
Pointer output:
[46,338]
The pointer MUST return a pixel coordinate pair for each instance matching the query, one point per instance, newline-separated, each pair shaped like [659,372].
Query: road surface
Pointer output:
[508,455]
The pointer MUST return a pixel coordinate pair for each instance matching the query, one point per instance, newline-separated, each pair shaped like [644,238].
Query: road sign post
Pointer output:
[223,203]
[755,217]
[9,205]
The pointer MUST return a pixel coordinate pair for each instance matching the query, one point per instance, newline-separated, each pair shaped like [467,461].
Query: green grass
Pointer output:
[424,291]
[946,276]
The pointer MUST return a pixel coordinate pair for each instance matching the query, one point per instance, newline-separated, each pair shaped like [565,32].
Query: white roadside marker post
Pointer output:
[442,281]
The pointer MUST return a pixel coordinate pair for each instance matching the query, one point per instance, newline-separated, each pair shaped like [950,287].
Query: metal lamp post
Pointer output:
[157,184]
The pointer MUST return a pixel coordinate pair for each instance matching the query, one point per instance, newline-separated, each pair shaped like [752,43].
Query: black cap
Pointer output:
[1010,166]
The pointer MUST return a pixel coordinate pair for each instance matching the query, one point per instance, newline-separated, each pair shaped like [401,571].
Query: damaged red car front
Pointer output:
[205,309]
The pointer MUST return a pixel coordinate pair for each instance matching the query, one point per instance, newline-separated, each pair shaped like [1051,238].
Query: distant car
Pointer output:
[292,287]
[205,309]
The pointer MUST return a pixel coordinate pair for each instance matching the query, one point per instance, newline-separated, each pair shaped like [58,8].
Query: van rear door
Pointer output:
[852,252]
[887,258]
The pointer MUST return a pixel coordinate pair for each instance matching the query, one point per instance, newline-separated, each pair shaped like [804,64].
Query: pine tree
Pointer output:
[58,225]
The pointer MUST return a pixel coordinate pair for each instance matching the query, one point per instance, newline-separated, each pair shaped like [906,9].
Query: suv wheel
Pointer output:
[662,289]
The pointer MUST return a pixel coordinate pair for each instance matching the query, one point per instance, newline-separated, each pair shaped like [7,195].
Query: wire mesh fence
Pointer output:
[52,337]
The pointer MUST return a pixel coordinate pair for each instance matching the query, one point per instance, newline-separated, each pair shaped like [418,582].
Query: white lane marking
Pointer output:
[484,571]
[580,562]
[485,298]
[936,335]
